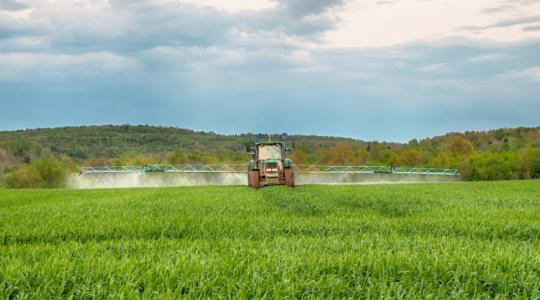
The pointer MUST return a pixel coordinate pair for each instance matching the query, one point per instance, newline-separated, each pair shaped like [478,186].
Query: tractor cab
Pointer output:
[270,152]
[269,165]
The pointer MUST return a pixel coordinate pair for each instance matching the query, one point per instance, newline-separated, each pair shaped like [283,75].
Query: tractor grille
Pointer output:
[271,169]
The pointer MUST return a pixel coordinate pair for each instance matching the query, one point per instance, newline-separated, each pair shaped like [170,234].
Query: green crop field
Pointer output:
[459,240]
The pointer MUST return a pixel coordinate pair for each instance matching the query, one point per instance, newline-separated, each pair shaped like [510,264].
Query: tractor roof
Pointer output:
[269,143]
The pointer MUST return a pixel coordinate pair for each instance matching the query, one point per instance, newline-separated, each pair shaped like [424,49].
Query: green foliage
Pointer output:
[441,160]
[472,240]
[361,156]
[527,167]
[178,157]
[476,154]
[495,166]
[464,167]
[89,142]
[407,157]
[299,155]
[45,172]
[460,146]
[340,154]
[7,161]
[27,176]
[51,170]
[535,162]
[23,148]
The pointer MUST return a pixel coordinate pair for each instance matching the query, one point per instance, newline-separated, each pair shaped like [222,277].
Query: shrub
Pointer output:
[441,160]
[45,172]
[27,176]
[495,166]
[464,168]
[52,171]
[526,163]
[535,158]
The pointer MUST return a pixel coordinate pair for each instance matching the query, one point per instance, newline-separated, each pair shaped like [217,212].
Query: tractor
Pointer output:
[269,166]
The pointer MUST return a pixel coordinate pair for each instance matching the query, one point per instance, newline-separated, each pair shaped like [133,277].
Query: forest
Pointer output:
[40,158]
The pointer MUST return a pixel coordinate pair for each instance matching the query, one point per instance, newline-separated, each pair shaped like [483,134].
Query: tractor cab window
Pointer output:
[269,152]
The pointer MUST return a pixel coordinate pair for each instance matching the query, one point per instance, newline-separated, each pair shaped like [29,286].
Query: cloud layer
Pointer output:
[268,67]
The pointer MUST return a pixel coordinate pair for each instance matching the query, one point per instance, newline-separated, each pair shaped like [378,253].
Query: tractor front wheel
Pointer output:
[253,178]
[289,177]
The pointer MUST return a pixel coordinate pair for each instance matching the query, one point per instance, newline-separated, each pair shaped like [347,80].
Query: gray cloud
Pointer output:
[178,64]
[532,28]
[388,2]
[301,8]
[16,27]
[499,9]
[12,5]
[443,86]
[127,26]
[506,23]
[516,21]
[508,6]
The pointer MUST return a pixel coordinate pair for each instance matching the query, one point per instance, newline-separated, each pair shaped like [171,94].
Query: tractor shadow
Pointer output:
[291,201]
[307,202]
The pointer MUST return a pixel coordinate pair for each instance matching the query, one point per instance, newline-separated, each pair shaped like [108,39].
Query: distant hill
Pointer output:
[110,141]
[507,153]
[114,140]
[493,140]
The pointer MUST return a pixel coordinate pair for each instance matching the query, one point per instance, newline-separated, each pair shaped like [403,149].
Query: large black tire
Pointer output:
[253,178]
[289,177]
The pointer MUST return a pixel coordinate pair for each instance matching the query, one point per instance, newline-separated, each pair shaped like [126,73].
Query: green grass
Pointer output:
[459,240]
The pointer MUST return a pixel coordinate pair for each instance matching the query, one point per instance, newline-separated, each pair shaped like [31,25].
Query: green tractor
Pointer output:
[269,166]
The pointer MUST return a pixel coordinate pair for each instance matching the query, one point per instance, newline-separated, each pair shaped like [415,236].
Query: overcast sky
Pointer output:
[369,69]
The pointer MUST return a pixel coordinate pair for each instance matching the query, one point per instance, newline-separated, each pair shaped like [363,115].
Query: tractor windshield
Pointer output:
[269,152]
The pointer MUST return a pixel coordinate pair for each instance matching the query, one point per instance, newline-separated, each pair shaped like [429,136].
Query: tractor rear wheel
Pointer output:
[289,176]
[253,178]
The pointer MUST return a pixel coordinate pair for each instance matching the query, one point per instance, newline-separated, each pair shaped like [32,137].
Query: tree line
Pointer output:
[43,157]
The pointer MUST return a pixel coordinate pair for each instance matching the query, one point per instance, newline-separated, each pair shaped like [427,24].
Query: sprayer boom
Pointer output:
[318,169]
[224,168]
[241,168]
